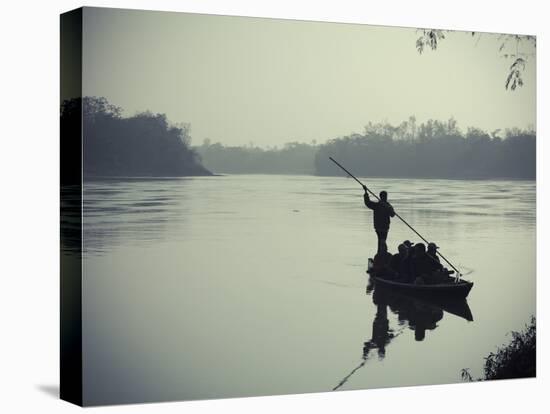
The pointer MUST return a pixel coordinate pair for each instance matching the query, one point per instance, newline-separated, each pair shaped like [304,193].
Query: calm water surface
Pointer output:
[255,285]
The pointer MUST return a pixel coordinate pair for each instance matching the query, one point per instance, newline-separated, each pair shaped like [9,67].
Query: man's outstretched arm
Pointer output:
[370,204]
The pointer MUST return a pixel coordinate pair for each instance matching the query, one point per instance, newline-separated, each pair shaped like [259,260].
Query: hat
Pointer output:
[408,243]
[432,246]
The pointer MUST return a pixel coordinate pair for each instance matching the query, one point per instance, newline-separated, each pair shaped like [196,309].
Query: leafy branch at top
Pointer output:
[430,38]
[511,47]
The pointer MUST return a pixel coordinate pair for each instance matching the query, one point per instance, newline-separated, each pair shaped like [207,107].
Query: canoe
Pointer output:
[449,289]
[458,289]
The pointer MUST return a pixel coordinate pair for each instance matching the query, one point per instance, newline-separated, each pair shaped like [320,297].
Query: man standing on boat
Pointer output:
[383,211]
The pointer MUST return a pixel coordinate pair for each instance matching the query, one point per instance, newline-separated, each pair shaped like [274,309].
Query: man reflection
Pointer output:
[418,315]
[381,332]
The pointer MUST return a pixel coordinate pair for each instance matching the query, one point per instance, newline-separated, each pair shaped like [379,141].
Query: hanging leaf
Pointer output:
[514,78]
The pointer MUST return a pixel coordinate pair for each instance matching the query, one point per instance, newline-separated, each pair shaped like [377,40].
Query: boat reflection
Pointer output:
[417,314]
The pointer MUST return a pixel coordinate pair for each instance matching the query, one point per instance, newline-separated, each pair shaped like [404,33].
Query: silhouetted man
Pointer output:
[382,213]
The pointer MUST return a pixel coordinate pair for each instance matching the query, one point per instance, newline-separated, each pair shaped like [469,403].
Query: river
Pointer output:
[246,285]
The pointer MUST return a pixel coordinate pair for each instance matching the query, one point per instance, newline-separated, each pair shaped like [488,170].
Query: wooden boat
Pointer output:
[451,288]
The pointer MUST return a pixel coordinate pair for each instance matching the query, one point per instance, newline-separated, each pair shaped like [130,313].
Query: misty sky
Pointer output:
[240,80]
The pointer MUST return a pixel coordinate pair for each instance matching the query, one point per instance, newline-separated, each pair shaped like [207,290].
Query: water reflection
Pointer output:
[225,246]
[135,210]
[451,209]
[419,315]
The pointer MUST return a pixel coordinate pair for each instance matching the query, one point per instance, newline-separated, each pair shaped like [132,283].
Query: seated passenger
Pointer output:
[432,253]
[439,273]
[400,263]
[421,264]
[409,246]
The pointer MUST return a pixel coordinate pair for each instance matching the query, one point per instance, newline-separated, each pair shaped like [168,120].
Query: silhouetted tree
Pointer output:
[437,150]
[293,158]
[145,144]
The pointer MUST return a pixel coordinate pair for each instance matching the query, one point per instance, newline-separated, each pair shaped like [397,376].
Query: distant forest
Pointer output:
[432,149]
[292,158]
[145,144]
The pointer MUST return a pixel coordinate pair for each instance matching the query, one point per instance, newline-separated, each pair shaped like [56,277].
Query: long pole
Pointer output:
[397,215]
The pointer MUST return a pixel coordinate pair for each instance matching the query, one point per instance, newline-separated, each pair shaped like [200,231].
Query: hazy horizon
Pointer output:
[242,80]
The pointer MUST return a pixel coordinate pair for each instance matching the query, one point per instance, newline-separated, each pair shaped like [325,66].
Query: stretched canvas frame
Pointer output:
[75,171]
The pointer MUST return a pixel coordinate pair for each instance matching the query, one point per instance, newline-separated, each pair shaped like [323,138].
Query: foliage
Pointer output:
[433,149]
[292,158]
[145,144]
[514,77]
[514,47]
[430,38]
[515,360]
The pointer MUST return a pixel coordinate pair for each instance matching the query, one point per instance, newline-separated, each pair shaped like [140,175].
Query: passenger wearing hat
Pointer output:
[432,251]
[432,254]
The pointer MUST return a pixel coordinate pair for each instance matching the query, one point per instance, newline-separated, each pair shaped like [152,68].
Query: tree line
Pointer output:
[433,149]
[292,158]
[145,144]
